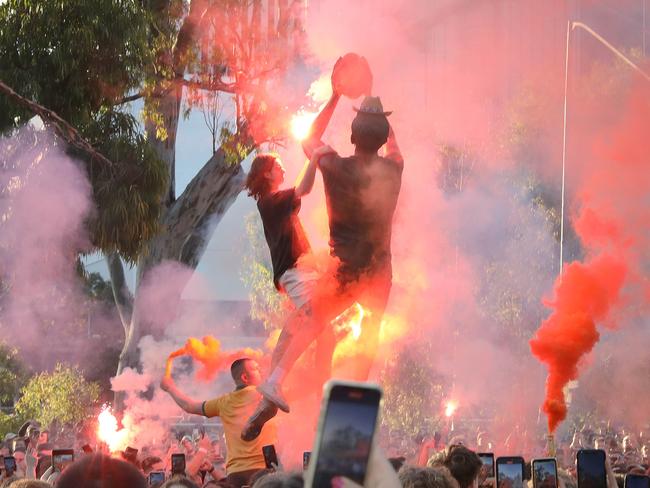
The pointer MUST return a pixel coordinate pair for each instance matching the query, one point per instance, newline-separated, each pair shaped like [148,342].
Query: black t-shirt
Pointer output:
[283,231]
[361,195]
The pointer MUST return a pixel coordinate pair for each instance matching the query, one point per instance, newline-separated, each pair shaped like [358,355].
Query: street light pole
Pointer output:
[570,26]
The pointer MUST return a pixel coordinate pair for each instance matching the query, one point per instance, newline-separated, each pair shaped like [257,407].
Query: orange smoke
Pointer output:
[208,352]
[585,293]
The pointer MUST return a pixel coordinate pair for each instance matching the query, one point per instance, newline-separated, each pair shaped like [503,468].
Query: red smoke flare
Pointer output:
[585,293]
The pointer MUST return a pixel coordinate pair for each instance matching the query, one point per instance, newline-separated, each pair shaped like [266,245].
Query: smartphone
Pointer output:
[346,428]
[486,476]
[178,464]
[131,454]
[510,472]
[61,458]
[544,472]
[156,478]
[591,468]
[270,457]
[305,460]
[637,481]
[10,465]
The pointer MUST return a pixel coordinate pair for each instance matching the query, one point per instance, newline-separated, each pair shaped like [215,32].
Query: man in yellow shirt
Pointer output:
[243,458]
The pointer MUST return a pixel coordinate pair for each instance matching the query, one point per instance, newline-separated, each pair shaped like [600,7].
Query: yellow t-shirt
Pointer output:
[235,409]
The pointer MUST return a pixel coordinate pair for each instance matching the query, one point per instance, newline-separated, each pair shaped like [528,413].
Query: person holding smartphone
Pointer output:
[244,458]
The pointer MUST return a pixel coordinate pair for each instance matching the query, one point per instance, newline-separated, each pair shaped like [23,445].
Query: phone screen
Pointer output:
[156,477]
[510,472]
[61,458]
[10,463]
[544,473]
[637,481]
[270,457]
[487,468]
[591,469]
[178,463]
[346,434]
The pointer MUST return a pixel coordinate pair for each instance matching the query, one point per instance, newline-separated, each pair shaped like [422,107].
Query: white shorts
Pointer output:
[299,285]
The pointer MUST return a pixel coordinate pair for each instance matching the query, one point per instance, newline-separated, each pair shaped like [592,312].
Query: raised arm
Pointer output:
[391,150]
[308,175]
[187,403]
[318,126]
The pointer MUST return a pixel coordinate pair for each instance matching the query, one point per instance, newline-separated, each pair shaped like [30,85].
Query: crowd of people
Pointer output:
[449,460]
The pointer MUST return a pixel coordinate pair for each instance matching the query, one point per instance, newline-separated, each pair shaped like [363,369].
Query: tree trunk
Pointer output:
[187,227]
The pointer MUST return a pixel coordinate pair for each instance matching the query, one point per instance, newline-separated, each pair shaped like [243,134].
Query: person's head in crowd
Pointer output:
[100,470]
[464,465]
[4,449]
[437,458]
[279,480]
[246,372]
[19,456]
[25,483]
[179,481]
[152,463]
[430,477]
[18,443]
[628,443]
[44,449]
[6,482]
[44,436]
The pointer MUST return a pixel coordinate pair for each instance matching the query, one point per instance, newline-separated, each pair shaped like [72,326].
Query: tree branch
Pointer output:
[62,127]
[121,293]
[207,197]
[215,86]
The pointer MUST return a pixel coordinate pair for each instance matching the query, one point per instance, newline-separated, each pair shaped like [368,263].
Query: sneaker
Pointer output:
[273,393]
[265,411]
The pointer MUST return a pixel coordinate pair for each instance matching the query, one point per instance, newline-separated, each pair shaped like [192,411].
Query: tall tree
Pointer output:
[81,64]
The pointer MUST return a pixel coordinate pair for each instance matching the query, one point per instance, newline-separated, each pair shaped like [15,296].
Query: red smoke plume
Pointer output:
[612,225]
[585,293]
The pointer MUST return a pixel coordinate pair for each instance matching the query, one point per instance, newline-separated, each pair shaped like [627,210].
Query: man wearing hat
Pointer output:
[361,192]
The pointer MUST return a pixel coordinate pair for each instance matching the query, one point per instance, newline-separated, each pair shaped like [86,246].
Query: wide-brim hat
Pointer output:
[371,106]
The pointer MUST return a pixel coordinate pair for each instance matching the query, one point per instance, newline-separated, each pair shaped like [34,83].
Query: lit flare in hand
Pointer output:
[108,432]
[450,408]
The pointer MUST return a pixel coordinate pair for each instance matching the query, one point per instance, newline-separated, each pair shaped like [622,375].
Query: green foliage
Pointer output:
[412,391]
[73,56]
[267,304]
[10,423]
[12,374]
[128,197]
[62,396]
[79,58]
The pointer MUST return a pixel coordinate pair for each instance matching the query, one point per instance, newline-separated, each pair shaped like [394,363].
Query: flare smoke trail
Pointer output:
[612,224]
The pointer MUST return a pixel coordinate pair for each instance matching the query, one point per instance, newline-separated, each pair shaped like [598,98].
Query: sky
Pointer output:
[220,264]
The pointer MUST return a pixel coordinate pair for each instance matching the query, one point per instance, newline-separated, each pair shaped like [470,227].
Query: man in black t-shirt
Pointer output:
[287,243]
[361,193]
